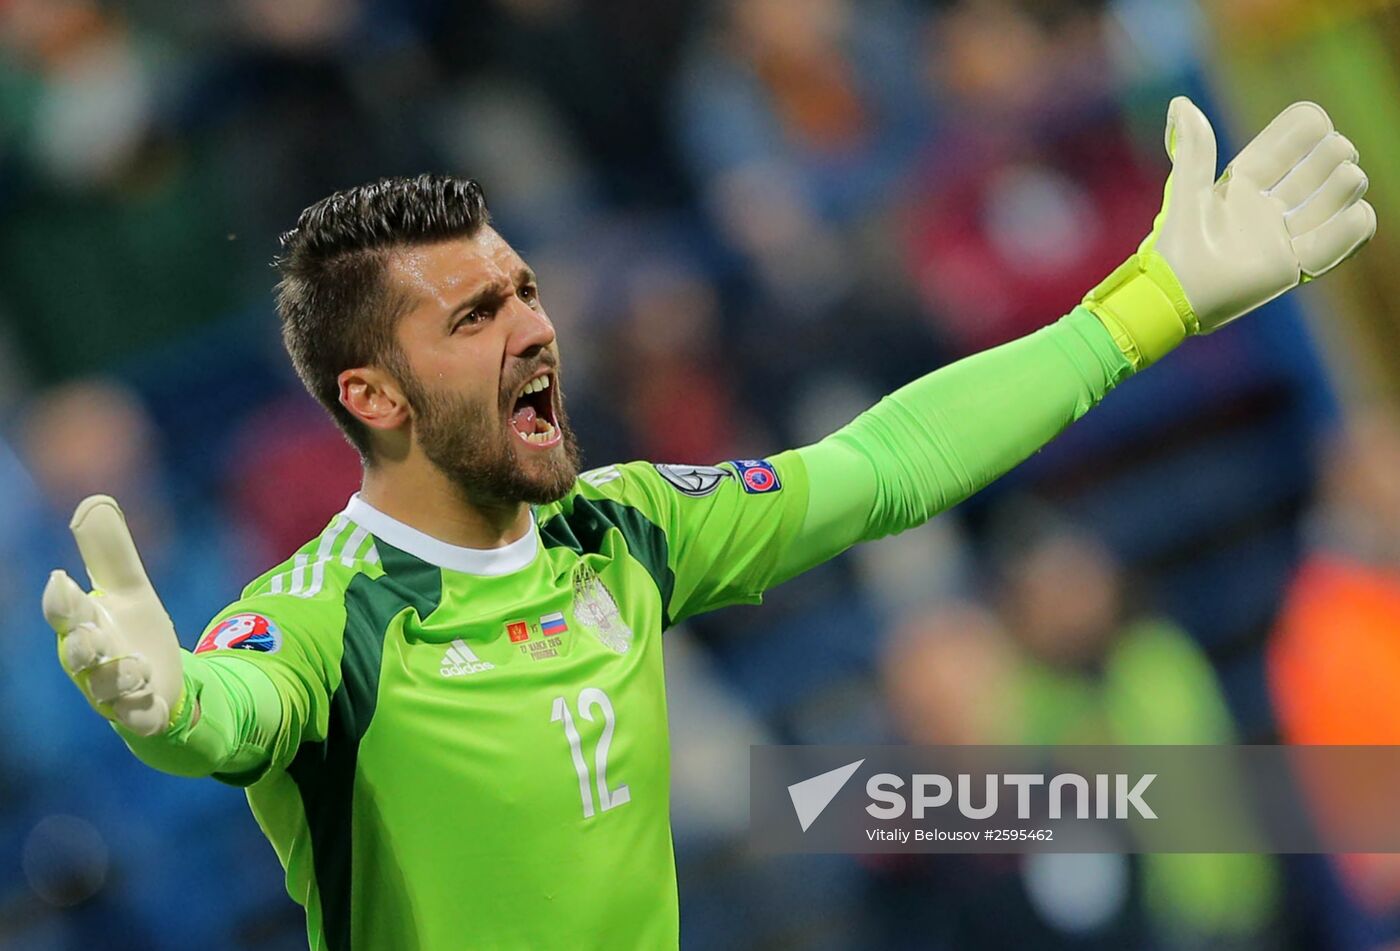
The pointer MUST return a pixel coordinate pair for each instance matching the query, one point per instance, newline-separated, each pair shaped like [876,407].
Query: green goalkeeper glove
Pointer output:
[1288,209]
[117,643]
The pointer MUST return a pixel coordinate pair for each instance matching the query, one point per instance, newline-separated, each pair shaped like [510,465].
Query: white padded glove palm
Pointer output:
[1287,209]
[117,643]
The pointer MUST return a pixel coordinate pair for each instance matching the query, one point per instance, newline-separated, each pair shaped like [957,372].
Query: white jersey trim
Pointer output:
[473,561]
[307,576]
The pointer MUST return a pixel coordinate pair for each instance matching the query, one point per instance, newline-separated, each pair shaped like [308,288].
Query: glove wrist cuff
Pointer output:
[1144,308]
[180,723]
[183,712]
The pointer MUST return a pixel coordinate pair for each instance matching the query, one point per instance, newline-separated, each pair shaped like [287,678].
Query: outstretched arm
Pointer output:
[936,441]
[1288,208]
[192,715]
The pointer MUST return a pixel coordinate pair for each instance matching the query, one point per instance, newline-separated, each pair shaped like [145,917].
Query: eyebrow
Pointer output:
[495,291]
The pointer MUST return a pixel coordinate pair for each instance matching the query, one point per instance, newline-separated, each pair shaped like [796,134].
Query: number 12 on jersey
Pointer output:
[589,699]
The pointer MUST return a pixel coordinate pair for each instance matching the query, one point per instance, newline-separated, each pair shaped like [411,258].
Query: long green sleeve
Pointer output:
[936,441]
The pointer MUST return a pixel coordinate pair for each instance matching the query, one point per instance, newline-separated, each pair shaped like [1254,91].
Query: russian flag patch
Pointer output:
[757,475]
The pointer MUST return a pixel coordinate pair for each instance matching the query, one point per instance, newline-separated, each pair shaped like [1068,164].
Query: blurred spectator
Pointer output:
[1035,190]
[112,226]
[1334,662]
[796,118]
[603,64]
[1100,669]
[92,437]
[677,398]
[953,675]
[518,141]
[288,471]
[150,835]
[823,91]
[297,98]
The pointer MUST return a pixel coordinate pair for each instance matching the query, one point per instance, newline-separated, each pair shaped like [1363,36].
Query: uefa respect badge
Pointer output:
[757,476]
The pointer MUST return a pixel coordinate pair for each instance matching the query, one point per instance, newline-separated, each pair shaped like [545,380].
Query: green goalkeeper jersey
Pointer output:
[474,748]
[461,749]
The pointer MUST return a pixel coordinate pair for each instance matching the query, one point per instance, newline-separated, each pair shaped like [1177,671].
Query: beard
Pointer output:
[475,447]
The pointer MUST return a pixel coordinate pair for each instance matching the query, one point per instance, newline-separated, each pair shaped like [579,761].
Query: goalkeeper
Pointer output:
[448,708]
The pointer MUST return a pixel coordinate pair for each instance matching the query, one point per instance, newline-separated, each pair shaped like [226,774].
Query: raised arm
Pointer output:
[1288,209]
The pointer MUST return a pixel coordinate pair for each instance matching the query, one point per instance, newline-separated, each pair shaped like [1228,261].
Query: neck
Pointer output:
[422,497]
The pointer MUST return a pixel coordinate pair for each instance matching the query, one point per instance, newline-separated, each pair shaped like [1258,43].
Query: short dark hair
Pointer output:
[337,309]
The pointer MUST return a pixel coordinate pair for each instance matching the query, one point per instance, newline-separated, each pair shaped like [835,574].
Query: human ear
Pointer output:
[373,397]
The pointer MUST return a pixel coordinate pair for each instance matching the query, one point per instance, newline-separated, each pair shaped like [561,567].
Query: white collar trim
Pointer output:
[472,561]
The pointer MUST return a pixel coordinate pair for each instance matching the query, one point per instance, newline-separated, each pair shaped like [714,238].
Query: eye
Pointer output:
[478,316]
[529,293]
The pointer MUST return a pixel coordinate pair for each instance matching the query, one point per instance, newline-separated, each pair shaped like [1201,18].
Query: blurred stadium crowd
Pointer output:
[751,218]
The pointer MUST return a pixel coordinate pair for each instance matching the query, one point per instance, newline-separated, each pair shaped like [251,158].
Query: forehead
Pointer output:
[446,271]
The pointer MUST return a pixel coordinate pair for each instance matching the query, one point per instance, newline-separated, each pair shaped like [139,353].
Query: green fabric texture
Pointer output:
[440,750]
[582,528]
[938,440]
[325,771]
[225,723]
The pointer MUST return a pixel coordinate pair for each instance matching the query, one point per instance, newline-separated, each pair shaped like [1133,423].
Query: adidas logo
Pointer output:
[460,660]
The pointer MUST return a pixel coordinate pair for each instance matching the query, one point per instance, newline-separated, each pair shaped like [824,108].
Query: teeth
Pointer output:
[535,385]
[543,436]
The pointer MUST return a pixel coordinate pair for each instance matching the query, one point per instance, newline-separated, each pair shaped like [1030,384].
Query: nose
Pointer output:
[531,329]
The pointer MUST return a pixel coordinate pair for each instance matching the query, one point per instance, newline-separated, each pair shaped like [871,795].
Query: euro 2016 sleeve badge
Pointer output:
[247,631]
[596,611]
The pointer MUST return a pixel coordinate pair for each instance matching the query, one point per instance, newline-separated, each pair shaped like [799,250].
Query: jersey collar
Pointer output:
[472,561]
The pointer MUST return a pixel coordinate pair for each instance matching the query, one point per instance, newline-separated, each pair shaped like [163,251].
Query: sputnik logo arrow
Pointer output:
[811,796]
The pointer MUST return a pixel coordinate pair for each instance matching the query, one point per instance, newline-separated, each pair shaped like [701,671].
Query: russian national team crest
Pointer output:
[694,481]
[757,475]
[248,632]
[596,611]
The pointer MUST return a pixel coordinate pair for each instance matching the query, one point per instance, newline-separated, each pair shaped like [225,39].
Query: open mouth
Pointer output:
[532,417]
